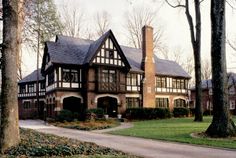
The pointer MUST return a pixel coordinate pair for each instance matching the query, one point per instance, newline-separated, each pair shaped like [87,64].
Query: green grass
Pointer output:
[177,130]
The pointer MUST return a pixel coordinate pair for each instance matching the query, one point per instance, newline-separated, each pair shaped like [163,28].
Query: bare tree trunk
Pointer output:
[196,44]
[222,124]
[195,35]
[12,14]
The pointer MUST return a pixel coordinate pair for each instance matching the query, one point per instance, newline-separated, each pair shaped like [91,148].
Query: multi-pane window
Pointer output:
[178,83]
[22,88]
[108,80]
[133,103]
[26,105]
[133,81]
[161,82]
[162,102]
[179,103]
[51,78]
[30,87]
[70,75]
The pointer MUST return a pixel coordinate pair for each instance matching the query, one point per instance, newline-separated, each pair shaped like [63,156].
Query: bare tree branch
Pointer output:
[135,20]
[72,21]
[102,20]
[233,46]
[176,6]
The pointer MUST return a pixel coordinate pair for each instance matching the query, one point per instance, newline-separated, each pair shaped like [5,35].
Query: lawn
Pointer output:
[177,130]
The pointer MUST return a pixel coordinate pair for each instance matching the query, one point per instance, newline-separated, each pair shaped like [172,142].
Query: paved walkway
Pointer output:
[123,125]
[137,146]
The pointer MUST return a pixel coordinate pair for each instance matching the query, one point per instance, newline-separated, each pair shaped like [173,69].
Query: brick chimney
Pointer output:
[148,66]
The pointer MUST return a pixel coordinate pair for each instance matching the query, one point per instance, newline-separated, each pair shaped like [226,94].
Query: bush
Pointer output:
[66,115]
[98,111]
[93,114]
[147,113]
[181,112]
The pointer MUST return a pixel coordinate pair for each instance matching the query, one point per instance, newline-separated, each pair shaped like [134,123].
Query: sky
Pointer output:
[171,21]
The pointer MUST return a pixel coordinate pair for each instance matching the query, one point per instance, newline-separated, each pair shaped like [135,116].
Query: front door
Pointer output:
[109,105]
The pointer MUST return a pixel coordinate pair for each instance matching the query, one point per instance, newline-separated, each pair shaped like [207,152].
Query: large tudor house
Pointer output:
[84,74]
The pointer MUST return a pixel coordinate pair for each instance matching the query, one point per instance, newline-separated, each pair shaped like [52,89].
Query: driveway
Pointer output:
[136,146]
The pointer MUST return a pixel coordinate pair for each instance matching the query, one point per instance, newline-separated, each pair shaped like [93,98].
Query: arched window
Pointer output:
[180,103]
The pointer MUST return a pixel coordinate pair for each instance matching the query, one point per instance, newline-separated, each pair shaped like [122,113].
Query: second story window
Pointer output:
[30,88]
[70,75]
[42,85]
[161,82]
[178,83]
[22,88]
[133,81]
[108,80]
[51,78]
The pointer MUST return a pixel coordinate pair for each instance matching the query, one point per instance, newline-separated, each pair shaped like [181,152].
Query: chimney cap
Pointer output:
[147,27]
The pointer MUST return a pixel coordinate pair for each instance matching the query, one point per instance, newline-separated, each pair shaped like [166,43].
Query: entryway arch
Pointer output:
[73,104]
[109,105]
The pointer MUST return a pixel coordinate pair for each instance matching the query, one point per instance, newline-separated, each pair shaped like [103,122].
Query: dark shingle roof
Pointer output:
[206,84]
[69,50]
[32,77]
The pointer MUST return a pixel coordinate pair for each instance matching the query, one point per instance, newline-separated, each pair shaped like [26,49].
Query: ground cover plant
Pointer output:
[88,125]
[176,129]
[35,144]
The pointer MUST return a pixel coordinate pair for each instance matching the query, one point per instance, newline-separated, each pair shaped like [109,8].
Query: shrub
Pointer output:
[93,114]
[66,115]
[147,113]
[192,111]
[181,112]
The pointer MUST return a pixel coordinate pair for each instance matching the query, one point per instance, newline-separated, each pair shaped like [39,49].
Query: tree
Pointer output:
[72,21]
[222,124]
[12,23]
[40,16]
[135,20]
[196,45]
[102,22]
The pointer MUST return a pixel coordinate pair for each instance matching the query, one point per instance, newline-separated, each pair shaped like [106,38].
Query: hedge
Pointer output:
[147,113]
[181,112]
[66,115]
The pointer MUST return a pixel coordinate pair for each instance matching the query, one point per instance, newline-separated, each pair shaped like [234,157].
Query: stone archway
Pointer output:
[109,105]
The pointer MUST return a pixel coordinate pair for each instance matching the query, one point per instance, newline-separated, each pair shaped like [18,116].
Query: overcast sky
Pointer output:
[173,23]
